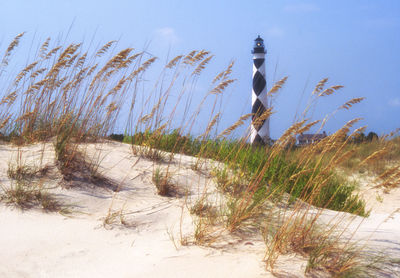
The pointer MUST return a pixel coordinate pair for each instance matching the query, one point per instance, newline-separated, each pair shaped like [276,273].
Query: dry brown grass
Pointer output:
[27,195]
[71,96]
[27,189]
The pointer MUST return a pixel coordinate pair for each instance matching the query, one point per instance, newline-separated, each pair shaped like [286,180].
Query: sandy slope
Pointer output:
[37,244]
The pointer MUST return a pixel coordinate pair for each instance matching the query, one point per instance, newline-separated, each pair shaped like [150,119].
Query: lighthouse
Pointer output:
[259,99]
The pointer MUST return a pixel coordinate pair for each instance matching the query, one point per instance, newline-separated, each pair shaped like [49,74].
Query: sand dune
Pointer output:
[142,235]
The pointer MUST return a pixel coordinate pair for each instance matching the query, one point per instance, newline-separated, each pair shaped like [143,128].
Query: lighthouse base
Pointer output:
[257,140]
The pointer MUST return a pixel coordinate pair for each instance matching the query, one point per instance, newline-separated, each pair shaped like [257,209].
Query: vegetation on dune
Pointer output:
[278,177]
[27,190]
[69,96]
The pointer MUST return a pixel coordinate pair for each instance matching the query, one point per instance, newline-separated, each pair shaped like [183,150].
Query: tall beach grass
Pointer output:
[69,96]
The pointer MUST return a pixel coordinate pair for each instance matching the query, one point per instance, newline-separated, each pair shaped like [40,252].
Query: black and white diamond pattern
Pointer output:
[259,129]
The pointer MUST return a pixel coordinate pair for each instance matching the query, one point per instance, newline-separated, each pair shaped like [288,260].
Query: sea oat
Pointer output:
[224,74]
[277,86]
[307,126]
[374,155]
[105,48]
[211,125]
[173,62]
[9,99]
[330,90]
[188,58]
[52,52]
[10,48]
[43,48]
[202,65]
[221,86]
[259,120]
[351,102]
[24,72]
[320,86]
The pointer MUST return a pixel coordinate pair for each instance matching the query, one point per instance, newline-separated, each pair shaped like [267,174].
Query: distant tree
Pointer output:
[117,137]
[358,138]
[372,136]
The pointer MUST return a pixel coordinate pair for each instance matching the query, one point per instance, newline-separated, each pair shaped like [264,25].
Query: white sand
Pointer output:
[38,244]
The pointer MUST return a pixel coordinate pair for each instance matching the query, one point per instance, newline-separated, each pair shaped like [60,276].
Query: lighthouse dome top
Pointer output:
[258,45]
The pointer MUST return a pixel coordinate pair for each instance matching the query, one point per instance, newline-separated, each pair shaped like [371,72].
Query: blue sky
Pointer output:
[353,43]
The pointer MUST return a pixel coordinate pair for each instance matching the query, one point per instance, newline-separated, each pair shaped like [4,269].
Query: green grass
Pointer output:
[336,193]
[72,95]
